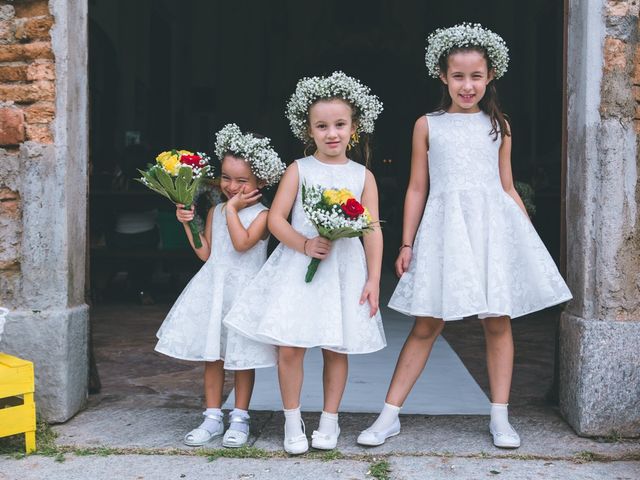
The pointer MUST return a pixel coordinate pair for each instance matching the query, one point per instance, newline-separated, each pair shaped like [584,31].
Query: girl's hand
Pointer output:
[317,247]
[184,216]
[371,292]
[242,200]
[403,261]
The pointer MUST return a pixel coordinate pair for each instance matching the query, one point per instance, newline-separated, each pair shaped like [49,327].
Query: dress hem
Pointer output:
[280,343]
[193,359]
[453,318]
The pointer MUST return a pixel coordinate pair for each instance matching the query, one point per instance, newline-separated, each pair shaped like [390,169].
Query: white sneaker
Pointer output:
[371,438]
[296,445]
[505,439]
[325,441]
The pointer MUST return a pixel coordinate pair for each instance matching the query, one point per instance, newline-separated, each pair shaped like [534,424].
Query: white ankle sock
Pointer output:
[292,423]
[500,418]
[211,425]
[328,423]
[387,417]
[241,427]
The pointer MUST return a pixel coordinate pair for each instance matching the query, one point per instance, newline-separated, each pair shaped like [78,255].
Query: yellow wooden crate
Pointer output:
[16,380]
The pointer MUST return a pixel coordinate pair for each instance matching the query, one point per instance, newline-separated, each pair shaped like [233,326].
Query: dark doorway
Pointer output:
[170,73]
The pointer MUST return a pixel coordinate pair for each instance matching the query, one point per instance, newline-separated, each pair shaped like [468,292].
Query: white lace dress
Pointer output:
[475,251]
[193,329]
[281,309]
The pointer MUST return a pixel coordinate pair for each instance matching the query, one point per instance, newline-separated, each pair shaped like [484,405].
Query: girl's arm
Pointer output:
[506,177]
[372,246]
[417,191]
[279,225]
[184,217]
[245,238]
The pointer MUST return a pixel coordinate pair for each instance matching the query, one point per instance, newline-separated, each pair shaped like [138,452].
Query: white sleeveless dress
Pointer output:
[281,309]
[193,329]
[475,251]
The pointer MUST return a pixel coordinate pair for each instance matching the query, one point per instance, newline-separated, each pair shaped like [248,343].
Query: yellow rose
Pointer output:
[184,152]
[171,165]
[344,195]
[163,157]
[331,197]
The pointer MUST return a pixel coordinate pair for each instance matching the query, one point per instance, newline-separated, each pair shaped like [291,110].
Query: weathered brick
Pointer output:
[12,131]
[31,8]
[25,52]
[40,133]
[28,92]
[40,112]
[7,12]
[7,31]
[636,92]
[617,8]
[636,66]
[12,264]
[10,204]
[637,112]
[13,73]
[41,71]
[34,28]
[637,123]
[614,54]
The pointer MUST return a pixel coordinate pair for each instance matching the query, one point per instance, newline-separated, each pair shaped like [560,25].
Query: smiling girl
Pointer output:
[338,310]
[234,247]
[468,247]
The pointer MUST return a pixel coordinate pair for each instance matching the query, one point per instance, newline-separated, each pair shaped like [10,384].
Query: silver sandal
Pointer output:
[234,438]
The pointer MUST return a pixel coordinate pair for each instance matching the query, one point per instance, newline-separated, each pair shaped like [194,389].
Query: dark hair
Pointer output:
[489,103]
[361,151]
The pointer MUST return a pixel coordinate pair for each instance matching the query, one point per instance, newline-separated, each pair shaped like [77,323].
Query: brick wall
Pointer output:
[622,61]
[27,109]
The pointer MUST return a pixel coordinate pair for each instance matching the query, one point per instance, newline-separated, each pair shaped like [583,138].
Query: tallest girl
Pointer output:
[472,249]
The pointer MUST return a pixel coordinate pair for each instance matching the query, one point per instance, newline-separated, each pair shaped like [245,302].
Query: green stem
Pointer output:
[197,243]
[311,269]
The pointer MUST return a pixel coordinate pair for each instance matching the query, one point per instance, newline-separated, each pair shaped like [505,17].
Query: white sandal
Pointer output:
[234,438]
[324,441]
[201,436]
[298,444]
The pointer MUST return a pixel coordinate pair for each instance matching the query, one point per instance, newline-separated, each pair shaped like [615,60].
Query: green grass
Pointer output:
[380,470]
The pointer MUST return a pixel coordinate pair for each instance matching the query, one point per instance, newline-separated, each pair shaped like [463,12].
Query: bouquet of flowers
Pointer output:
[177,174]
[335,214]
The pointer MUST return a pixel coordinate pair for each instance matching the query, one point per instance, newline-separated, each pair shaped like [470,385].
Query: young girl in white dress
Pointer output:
[338,310]
[474,252]
[234,247]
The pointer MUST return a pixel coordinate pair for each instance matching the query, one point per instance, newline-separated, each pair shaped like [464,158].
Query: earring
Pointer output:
[354,140]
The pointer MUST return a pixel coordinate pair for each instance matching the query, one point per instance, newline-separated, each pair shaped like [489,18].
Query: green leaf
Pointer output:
[166,182]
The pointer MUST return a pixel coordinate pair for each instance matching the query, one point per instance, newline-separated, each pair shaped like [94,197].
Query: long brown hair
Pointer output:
[360,152]
[489,103]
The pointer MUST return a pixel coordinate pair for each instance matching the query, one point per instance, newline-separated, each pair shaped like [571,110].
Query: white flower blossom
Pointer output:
[262,158]
[441,41]
[337,85]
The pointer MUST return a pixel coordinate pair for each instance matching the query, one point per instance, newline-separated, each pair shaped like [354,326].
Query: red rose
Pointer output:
[193,160]
[352,208]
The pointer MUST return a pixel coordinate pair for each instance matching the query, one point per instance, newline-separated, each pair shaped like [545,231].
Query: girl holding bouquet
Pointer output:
[468,247]
[233,247]
[337,308]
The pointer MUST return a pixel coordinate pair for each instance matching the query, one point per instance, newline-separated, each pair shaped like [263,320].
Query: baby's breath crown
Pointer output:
[262,158]
[441,41]
[337,85]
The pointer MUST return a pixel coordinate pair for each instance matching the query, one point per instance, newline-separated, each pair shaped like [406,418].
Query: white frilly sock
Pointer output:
[242,427]
[212,425]
[500,418]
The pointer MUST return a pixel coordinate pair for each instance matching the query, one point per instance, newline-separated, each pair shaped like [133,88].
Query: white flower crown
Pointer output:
[337,85]
[262,158]
[462,35]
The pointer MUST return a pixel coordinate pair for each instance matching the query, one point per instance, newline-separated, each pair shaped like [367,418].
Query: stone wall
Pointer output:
[600,329]
[43,153]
